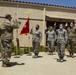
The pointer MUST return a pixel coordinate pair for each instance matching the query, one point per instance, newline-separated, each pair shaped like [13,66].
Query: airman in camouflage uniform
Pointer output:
[6,29]
[71,39]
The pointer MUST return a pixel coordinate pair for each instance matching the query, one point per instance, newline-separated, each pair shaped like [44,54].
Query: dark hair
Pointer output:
[7,16]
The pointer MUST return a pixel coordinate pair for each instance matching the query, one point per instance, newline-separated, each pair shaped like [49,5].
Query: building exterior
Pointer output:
[42,14]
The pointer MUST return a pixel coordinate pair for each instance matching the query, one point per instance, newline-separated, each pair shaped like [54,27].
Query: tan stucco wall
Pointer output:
[37,13]
[33,12]
[61,13]
[24,38]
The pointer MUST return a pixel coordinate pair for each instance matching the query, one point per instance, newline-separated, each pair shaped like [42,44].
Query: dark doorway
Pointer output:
[51,23]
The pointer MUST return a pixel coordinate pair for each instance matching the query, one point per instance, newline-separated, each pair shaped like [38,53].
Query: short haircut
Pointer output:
[7,16]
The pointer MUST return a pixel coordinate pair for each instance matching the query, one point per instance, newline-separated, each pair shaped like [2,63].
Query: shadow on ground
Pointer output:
[15,63]
[38,57]
[70,56]
[51,54]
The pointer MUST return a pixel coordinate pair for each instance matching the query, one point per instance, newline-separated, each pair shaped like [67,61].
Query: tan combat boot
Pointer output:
[4,64]
[72,56]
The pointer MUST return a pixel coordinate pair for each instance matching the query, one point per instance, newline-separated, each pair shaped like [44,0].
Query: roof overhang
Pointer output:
[37,4]
[49,18]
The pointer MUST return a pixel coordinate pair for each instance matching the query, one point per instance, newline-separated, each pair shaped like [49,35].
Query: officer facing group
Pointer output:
[6,32]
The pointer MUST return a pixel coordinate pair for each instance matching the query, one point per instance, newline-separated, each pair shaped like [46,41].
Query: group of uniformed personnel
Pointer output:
[61,36]
[65,35]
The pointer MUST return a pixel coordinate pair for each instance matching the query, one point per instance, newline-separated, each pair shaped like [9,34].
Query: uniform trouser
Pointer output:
[0,44]
[71,44]
[50,45]
[6,49]
[61,50]
[36,47]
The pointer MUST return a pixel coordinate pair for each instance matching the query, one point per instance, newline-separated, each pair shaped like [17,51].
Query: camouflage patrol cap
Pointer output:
[7,16]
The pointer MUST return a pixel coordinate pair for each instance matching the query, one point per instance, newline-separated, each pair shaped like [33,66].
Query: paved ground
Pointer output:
[45,65]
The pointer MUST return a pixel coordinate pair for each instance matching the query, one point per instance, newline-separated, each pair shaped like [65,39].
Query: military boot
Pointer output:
[58,60]
[69,55]
[52,53]
[35,56]
[72,56]
[4,64]
[61,60]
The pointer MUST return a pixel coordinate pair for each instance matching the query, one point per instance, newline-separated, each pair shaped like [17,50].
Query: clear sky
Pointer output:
[70,3]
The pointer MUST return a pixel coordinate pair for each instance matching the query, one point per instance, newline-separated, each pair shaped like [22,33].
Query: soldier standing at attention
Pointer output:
[48,28]
[6,29]
[51,40]
[61,42]
[36,40]
[71,39]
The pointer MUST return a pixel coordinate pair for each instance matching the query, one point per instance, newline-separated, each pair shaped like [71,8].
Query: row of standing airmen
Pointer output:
[61,36]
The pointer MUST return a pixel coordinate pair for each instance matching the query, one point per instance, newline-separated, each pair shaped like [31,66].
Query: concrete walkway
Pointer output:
[45,65]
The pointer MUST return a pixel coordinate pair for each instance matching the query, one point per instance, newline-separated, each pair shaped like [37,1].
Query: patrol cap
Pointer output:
[7,16]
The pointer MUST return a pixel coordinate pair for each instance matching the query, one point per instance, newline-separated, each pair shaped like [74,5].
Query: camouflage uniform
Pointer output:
[50,40]
[0,41]
[36,40]
[6,29]
[61,41]
[71,39]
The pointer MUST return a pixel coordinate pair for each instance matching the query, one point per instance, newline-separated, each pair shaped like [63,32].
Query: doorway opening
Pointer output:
[51,21]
